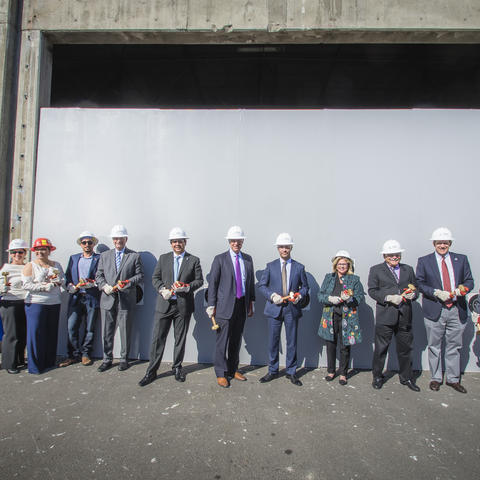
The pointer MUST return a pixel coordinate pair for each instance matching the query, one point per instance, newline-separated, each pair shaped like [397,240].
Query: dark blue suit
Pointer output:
[230,312]
[288,313]
[81,305]
[442,322]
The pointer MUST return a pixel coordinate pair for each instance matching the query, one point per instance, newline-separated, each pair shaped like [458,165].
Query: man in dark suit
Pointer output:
[388,285]
[119,274]
[176,276]
[231,293]
[441,275]
[84,300]
[280,278]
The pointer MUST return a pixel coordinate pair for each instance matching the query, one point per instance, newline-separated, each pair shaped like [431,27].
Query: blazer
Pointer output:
[91,295]
[271,282]
[222,286]
[382,282]
[190,272]
[131,269]
[351,332]
[429,279]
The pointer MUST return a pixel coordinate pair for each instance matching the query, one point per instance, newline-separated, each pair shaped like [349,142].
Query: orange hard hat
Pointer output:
[42,242]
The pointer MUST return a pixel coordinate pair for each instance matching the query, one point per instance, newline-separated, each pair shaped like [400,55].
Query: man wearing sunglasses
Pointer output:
[388,285]
[441,275]
[84,301]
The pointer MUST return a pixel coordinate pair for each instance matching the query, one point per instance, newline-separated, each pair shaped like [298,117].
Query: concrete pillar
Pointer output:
[35,68]
[8,60]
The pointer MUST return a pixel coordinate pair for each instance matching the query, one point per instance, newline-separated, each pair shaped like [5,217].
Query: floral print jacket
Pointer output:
[350,322]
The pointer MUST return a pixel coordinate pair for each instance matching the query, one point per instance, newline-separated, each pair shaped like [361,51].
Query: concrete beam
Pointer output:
[33,93]
[260,15]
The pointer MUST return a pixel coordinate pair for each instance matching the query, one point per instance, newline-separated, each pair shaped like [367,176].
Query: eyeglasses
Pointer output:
[86,242]
[18,252]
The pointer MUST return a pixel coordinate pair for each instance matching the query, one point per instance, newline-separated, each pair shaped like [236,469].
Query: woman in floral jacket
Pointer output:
[341,293]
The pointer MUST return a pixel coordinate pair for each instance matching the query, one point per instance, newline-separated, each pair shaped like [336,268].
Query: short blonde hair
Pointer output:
[349,261]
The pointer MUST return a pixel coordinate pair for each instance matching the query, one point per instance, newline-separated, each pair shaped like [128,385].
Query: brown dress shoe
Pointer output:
[239,376]
[87,361]
[456,386]
[67,362]
[223,382]
[435,386]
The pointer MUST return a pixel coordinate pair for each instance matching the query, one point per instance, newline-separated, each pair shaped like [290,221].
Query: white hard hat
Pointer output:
[342,253]
[17,243]
[284,239]
[235,233]
[442,233]
[177,233]
[87,234]
[118,231]
[391,246]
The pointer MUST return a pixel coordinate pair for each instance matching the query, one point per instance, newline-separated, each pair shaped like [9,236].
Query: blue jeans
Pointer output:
[76,314]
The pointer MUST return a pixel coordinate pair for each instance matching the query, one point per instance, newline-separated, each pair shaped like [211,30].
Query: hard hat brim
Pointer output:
[51,247]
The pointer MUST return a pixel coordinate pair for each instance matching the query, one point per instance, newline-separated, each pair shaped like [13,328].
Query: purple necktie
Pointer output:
[238,277]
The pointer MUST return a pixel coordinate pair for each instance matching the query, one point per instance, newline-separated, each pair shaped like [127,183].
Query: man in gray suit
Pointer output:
[119,274]
[176,276]
[231,293]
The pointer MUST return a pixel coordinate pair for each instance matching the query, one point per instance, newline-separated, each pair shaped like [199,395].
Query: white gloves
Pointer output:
[409,296]
[185,289]
[108,289]
[276,298]
[3,289]
[345,296]
[297,299]
[334,300]
[90,285]
[457,292]
[395,299]
[72,289]
[165,293]
[210,311]
[48,286]
[442,295]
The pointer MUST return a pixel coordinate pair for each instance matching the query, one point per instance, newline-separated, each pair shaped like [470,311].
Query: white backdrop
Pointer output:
[334,179]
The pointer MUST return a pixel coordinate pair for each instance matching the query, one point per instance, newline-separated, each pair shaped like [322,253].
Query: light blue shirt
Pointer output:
[180,260]
[233,256]
[84,265]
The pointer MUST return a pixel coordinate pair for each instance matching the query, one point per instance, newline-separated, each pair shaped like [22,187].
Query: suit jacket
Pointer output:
[92,295]
[222,286]
[190,272]
[429,279]
[271,282]
[131,269]
[382,282]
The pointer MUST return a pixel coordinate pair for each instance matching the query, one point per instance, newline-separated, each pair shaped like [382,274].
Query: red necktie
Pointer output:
[446,281]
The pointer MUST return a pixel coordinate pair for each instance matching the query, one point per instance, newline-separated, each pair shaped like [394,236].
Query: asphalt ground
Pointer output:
[76,423]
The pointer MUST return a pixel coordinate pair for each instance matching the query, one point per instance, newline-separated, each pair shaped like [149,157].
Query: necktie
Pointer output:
[446,281]
[238,277]
[176,268]
[394,273]
[118,260]
[284,279]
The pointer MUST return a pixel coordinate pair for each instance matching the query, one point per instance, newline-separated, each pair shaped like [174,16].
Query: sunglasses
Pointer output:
[86,242]
[18,252]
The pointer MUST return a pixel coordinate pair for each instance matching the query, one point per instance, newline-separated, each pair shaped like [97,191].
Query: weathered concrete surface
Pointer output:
[250,14]
[76,423]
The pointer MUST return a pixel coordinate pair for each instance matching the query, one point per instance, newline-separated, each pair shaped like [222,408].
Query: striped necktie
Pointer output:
[118,260]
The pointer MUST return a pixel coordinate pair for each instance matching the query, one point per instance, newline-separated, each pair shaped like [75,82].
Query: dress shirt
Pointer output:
[289,267]
[233,256]
[448,263]
[180,260]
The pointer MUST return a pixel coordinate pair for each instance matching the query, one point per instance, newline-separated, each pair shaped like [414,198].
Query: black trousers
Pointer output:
[15,333]
[229,340]
[332,349]
[161,327]
[404,340]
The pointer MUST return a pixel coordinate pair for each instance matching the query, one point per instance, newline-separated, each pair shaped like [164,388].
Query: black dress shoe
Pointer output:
[13,371]
[377,383]
[148,378]
[342,381]
[294,380]
[411,385]
[268,377]
[329,377]
[179,375]
[122,366]
[104,366]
